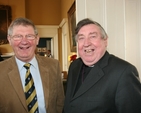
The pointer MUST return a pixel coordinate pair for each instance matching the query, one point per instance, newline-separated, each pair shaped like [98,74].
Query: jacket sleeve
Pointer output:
[128,94]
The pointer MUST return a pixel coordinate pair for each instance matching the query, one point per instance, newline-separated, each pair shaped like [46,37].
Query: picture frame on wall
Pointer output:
[72,25]
[5,20]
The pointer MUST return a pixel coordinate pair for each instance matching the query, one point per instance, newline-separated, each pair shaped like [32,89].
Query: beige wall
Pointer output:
[65,6]
[17,6]
[44,12]
[47,12]
[41,12]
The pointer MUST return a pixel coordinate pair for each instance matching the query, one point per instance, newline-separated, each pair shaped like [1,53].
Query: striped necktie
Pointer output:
[30,92]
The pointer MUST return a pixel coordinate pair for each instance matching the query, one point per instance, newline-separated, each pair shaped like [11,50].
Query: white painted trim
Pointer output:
[65,46]
[63,22]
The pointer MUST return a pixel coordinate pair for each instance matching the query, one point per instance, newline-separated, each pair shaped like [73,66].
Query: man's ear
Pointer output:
[106,42]
[38,38]
[9,39]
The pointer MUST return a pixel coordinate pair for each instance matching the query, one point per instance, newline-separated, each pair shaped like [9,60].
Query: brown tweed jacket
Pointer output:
[12,98]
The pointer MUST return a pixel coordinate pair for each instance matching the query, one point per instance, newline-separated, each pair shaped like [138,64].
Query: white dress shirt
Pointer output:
[34,69]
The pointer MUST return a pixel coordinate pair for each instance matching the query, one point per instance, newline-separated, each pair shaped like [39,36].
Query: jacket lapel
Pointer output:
[44,72]
[16,81]
[92,78]
[75,76]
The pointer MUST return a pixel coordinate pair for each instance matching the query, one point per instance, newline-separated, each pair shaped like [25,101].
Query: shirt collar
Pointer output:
[20,63]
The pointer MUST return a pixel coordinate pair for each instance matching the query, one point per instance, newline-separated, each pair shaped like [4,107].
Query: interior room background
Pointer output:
[120,18]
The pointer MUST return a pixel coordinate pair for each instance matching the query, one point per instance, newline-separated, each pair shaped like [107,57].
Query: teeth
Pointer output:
[87,51]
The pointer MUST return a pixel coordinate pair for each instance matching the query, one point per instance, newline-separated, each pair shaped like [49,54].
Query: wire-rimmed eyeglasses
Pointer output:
[20,37]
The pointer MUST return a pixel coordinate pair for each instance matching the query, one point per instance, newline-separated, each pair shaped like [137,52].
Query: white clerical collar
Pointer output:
[91,66]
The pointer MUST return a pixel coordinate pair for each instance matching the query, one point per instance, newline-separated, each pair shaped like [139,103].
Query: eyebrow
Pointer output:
[80,35]
[91,33]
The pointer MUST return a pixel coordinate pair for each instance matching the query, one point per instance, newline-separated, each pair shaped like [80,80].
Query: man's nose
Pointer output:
[87,42]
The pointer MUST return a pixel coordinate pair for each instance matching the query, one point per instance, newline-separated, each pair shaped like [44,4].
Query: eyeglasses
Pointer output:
[20,37]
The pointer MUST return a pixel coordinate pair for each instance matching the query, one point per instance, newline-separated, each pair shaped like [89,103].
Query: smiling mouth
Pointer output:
[24,47]
[89,50]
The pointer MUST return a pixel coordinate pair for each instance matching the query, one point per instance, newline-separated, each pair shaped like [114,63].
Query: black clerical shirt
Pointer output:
[83,74]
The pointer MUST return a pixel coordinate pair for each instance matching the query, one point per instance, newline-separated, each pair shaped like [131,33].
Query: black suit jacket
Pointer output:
[112,86]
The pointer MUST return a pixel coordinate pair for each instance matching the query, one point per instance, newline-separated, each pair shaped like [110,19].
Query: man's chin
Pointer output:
[88,62]
[24,58]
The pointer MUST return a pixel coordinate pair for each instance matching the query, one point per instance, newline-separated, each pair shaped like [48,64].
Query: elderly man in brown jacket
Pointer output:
[45,73]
